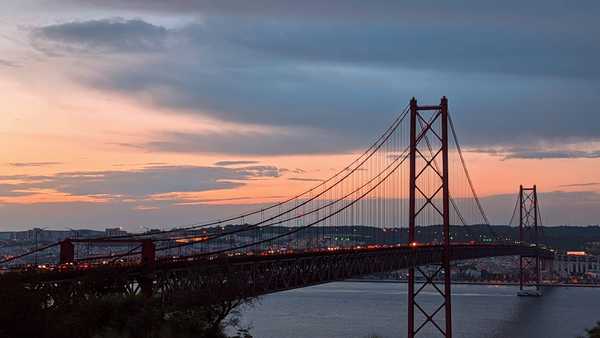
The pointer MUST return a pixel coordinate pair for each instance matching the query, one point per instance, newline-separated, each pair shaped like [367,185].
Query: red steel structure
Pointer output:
[530,273]
[148,257]
[213,279]
[435,118]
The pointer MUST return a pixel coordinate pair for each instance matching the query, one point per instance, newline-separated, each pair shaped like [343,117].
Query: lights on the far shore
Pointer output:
[413,244]
[576,253]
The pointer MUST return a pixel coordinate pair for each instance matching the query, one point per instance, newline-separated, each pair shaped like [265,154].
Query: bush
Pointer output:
[593,332]
[27,313]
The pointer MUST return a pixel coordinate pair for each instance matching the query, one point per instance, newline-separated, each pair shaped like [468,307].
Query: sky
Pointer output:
[161,113]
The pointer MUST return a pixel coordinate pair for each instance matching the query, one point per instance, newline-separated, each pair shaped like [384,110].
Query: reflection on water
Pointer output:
[357,310]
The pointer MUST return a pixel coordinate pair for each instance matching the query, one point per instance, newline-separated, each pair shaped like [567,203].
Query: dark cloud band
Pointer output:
[140,183]
[509,84]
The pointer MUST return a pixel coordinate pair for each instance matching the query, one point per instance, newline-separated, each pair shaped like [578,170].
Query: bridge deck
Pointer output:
[233,276]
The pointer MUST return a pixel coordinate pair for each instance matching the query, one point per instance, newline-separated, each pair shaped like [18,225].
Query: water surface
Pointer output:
[360,309]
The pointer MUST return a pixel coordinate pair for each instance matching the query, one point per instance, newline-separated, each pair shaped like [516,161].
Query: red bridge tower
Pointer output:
[432,121]
[530,267]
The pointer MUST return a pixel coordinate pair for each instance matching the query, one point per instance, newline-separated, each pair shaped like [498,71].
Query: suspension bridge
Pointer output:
[403,203]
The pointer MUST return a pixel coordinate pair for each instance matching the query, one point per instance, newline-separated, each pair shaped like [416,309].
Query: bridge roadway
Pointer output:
[211,279]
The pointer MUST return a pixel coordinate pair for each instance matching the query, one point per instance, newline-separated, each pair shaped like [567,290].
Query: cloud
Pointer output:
[585,184]
[145,208]
[278,142]
[249,66]
[8,190]
[136,164]
[9,64]
[99,36]
[136,183]
[304,179]
[353,78]
[230,163]
[183,200]
[295,171]
[474,37]
[538,153]
[245,90]
[550,154]
[364,12]
[34,164]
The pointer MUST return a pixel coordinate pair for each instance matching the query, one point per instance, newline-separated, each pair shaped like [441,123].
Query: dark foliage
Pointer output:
[27,313]
[593,332]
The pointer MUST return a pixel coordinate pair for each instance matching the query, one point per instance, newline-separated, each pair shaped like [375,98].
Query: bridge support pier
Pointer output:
[67,252]
[149,261]
[438,120]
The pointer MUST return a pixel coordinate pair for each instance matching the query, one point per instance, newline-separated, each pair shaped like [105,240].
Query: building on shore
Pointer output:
[577,263]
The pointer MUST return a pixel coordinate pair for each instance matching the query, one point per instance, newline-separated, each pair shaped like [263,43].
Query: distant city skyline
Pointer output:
[153,113]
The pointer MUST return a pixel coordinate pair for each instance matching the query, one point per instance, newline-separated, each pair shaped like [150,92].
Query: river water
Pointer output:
[362,309]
